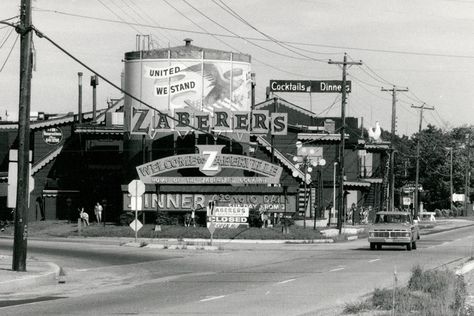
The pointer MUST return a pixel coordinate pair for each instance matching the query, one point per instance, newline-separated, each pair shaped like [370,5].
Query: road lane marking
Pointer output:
[337,269]
[286,281]
[212,298]
[373,260]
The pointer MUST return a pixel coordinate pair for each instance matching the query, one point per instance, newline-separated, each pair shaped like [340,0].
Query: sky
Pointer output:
[426,46]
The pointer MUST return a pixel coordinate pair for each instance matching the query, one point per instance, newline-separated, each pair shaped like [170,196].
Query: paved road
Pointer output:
[284,280]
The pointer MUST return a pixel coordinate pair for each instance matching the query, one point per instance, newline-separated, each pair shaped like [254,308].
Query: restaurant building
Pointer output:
[188,128]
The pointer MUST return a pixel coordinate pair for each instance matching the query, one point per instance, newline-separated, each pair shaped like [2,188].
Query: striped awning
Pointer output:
[373,180]
[356,184]
[43,162]
[262,141]
[100,130]
[320,137]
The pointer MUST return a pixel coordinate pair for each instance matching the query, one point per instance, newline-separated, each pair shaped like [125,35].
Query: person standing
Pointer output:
[98,212]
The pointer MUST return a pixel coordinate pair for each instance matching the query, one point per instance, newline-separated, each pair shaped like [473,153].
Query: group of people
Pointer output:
[358,215]
[84,216]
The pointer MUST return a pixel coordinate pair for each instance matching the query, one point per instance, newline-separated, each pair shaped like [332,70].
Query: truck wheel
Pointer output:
[413,245]
[379,247]
[409,246]
[372,246]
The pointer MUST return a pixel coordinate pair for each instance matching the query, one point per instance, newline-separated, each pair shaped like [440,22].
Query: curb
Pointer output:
[44,278]
[467,267]
[158,241]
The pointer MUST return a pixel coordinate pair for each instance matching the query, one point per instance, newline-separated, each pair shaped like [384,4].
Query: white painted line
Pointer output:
[373,260]
[338,269]
[286,281]
[212,298]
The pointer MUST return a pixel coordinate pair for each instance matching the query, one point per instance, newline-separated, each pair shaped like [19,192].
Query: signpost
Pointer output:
[211,229]
[136,188]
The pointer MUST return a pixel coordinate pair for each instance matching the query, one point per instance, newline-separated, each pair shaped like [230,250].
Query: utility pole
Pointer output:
[394,91]
[21,211]
[417,176]
[344,64]
[451,179]
[467,172]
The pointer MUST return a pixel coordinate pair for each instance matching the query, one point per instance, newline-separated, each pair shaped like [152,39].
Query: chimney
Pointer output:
[187,41]
[94,83]
[79,100]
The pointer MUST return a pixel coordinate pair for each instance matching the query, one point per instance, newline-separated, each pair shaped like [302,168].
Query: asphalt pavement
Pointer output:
[41,273]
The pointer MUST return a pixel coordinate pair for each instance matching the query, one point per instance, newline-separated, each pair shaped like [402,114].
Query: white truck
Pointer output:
[393,228]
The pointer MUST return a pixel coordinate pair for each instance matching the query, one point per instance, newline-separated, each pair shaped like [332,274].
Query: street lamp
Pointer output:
[306,160]
[333,193]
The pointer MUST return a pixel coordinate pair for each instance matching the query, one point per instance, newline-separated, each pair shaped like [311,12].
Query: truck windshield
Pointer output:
[392,218]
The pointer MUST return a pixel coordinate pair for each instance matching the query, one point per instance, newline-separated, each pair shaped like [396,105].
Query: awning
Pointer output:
[43,162]
[100,130]
[356,184]
[374,147]
[262,141]
[373,180]
[320,137]
[54,193]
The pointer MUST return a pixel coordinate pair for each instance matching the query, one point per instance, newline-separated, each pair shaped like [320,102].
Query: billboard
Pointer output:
[201,85]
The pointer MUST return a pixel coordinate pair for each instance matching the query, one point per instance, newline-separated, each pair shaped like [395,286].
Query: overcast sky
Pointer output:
[425,45]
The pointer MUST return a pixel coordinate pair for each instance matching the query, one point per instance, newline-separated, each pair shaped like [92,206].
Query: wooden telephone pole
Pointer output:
[344,64]
[417,176]
[22,197]
[391,201]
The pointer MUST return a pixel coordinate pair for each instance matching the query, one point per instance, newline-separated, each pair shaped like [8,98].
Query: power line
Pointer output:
[225,43]
[13,17]
[151,19]
[9,53]
[7,37]
[229,10]
[383,80]
[132,25]
[230,31]
[260,39]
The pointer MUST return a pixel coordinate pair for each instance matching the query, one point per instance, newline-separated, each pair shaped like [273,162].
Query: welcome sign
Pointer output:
[211,162]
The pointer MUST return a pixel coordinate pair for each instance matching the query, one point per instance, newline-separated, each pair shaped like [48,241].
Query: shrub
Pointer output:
[164,218]
[356,308]
[126,218]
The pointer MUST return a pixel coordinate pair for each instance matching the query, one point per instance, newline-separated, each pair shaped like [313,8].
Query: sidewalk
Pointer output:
[38,273]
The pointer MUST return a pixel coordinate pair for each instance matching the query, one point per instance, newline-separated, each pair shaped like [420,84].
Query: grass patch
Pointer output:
[181,232]
[64,229]
[433,292]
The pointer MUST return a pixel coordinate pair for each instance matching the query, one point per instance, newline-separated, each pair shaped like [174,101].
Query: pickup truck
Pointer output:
[393,228]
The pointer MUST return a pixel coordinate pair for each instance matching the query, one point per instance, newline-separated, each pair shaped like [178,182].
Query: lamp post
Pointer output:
[333,193]
[306,160]
[321,162]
